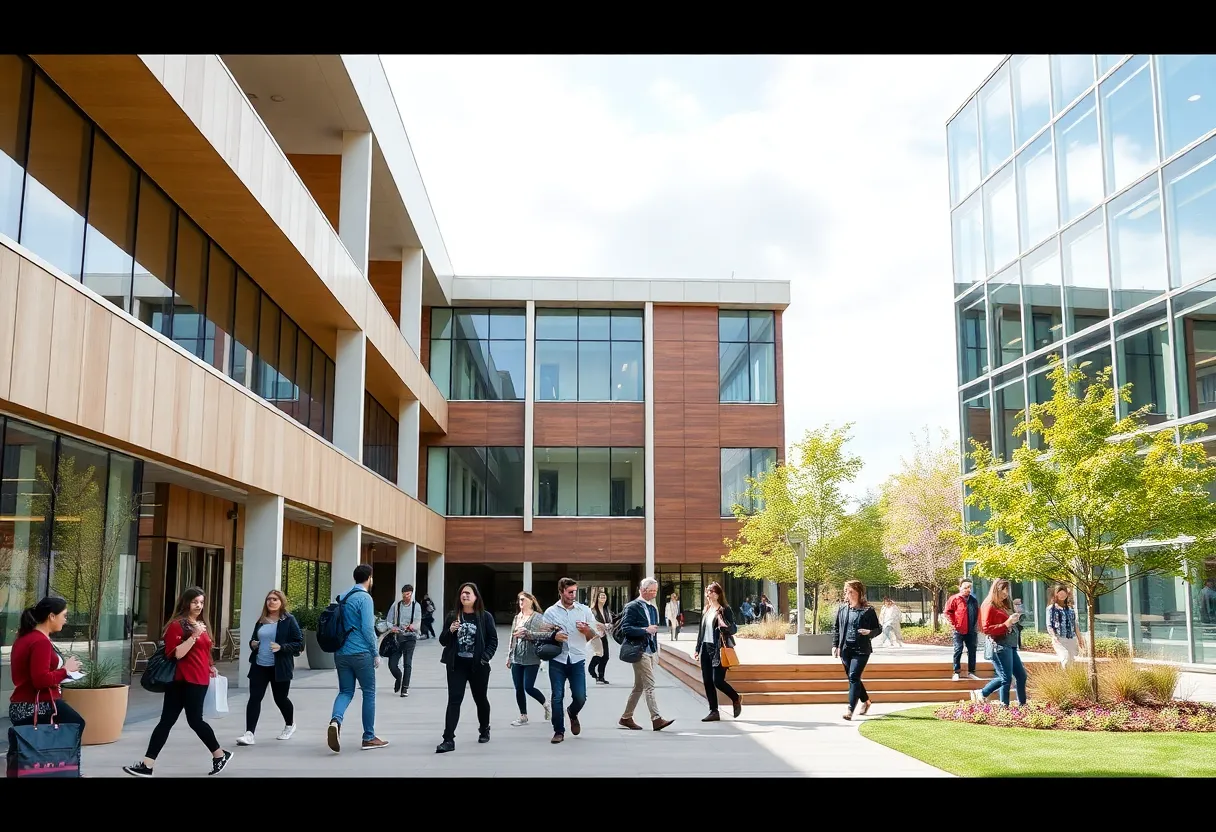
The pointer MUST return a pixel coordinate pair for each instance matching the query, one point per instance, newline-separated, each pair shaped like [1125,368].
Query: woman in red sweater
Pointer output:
[38,668]
[999,623]
[186,640]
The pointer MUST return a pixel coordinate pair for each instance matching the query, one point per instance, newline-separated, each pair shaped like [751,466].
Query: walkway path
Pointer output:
[787,740]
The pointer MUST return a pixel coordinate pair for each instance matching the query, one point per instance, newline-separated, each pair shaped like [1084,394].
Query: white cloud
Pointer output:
[828,171]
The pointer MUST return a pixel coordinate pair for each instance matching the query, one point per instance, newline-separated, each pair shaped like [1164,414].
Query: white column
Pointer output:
[350,373]
[407,447]
[435,588]
[527,576]
[648,388]
[411,297]
[262,561]
[355,206]
[348,538]
[407,566]
[529,414]
[770,589]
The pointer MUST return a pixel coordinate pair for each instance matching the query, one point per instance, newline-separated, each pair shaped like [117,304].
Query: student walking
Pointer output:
[640,621]
[576,625]
[469,641]
[999,623]
[599,646]
[522,661]
[188,642]
[1062,625]
[428,617]
[356,661]
[276,642]
[855,625]
[405,621]
[890,620]
[717,630]
[963,615]
[675,618]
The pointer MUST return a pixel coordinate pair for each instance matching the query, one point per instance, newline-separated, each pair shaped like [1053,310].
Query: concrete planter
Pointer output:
[104,711]
[807,644]
[318,659]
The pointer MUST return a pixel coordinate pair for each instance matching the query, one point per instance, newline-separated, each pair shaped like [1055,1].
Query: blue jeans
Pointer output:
[559,673]
[1008,666]
[524,677]
[359,667]
[969,641]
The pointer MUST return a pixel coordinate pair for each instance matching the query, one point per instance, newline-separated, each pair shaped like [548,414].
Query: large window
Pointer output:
[478,354]
[589,355]
[1186,88]
[305,582]
[963,148]
[380,438]
[475,481]
[1190,198]
[747,357]
[69,195]
[737,465]
[68,527]
[589,482]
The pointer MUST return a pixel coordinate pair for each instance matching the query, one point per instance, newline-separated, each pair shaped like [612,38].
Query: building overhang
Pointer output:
[558,291]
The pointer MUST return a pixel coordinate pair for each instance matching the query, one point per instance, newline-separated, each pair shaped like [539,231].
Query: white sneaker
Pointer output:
[245,739]
[523,720]
[976,696]
[954,678]
[973,676]
[548,712]
[288,730]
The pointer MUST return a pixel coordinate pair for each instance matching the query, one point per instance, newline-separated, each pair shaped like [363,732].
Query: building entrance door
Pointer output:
[619,594]
[187,566]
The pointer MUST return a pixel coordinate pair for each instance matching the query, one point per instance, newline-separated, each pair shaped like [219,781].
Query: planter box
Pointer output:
[808,644]
[318,659]
[104,711]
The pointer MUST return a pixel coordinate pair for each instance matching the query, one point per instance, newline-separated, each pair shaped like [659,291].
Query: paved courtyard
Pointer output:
[782,740]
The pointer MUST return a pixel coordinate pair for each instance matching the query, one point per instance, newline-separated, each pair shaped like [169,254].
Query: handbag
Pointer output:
[548,648]
[680,619]
[48,750]
[159,672]
[727,657]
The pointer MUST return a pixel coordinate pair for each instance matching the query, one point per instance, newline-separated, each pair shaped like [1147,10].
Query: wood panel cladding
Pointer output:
[589,424]
[385,277]
[494,424]
[322,175]
[307,542]
[195,517]
[552,540]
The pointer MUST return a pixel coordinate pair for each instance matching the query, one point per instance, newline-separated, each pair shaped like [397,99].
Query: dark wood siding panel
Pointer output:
[628,540]
[495,424]
[701,425]
[555,424]
[701,371]
[669,541]
[627,428]
[668,424]
[669,483]
[668,323]
[702,482]
[750,426]
[594,425]
[504,424]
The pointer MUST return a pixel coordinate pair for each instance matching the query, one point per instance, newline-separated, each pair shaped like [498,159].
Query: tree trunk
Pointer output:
[1093,652]
[814,610]
[934,621]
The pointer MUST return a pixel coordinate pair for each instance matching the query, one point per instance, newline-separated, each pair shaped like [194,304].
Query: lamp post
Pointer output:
[797,541]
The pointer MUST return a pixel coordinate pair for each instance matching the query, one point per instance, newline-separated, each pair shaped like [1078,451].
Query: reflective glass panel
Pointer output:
[1086,282]
[1079,157]
[1187,98]
[1001,219]
[968,228]
[996,120]
[1031,95]
[1038,215]
[1041,295]
[1137,246]
[1128,128]
[1190,184]
[110,239]
[1071,75]
[15,79]
[1005,313]
[963,146]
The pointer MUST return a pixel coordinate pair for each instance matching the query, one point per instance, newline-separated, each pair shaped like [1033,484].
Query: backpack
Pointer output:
[618,626]
[331,625]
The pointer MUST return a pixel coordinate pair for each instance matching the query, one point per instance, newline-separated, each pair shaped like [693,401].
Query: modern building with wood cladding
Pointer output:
[223,291]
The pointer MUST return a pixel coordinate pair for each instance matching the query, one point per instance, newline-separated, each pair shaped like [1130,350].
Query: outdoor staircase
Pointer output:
[825,682]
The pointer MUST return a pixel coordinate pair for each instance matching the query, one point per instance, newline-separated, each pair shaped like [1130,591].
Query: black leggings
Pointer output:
[259,678]
[714,679]
[598,662]
[477,676]
[182,696]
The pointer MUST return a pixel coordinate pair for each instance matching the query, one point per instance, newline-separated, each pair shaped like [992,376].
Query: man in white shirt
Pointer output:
[576,625]
[404,619]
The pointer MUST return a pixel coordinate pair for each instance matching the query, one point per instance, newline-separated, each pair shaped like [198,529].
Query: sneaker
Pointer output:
[246,739]
[523,720]
[548,712]
[374,742]
[334,736]
[218,764]
[288,730]
[484,736]
[405,691]
[954,678]
[396,686]
[976,696]
[605,682]
[445,746]
[138,770]
[973,676]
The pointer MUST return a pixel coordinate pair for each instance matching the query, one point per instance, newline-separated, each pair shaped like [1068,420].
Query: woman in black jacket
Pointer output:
[717,630]
[469,640]
[276,642]
[855,625]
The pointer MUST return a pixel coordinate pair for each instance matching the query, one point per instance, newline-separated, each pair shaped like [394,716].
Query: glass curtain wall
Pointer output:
[478,354]
[747,357]
[738,465]
[380,437]
[475,481]
[589,482]
[589,355]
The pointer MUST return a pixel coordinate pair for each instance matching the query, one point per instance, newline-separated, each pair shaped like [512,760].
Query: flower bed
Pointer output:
[1032,641]
[1192,717]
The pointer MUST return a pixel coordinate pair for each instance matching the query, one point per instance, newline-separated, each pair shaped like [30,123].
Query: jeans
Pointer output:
[476,675]
[404,654]
[599,662]
[969,640]
[182,696]
[559,674]
[428,627]
[259,678]
[354,667]
[524,677]
[1008,666]
[854,664]
[890,633]
[714,679]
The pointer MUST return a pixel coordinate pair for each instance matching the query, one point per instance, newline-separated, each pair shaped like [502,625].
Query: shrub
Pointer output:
[924,635]
[1065,687]
[1122,680]
[307,617]
[772,629]
[1107,647]
[1036,641]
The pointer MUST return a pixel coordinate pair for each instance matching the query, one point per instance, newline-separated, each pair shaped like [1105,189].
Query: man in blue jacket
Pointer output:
[640,622]
[357,660]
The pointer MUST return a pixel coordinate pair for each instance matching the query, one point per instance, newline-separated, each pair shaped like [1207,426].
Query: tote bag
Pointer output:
[50,749]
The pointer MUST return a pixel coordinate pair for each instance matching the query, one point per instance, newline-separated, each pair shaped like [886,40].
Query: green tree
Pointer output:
[1078,511]
[861,549]
[806,494]
[922,506]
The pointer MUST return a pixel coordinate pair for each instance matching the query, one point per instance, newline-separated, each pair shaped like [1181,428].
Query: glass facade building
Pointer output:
[1083,217]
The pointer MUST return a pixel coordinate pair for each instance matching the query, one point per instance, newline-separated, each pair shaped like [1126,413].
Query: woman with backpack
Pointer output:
[189,645]
[275,644]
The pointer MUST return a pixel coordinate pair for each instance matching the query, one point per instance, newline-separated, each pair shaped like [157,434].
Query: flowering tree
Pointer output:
[923,514]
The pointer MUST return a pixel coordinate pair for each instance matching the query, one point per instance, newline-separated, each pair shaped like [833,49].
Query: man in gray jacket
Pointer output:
[404,619]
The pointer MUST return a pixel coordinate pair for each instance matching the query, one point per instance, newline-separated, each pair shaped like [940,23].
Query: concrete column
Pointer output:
[529,414]
[355,207]
[262,561]
[648,388]
[407,447]
[527,576]
[770,589]
[411,297]
[407,566]
[435,588]
[350,374]
[348,540]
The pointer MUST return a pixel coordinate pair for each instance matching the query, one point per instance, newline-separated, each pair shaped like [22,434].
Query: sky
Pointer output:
[827,171]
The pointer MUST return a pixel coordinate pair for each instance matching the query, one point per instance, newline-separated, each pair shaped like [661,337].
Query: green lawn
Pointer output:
[985,751]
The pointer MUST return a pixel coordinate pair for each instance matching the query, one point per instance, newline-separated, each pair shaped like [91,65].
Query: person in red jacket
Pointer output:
[38,668]
[962,613]
[187,641]
[999,623]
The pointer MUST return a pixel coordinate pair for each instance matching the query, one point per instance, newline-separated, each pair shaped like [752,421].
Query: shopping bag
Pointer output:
[215,704]
[46,749]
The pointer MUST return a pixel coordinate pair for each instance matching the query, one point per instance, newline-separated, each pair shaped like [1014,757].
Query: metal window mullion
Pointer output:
[1188,608]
